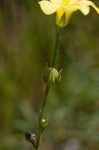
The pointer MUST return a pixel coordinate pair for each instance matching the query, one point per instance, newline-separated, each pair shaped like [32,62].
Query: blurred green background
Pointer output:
[26,40]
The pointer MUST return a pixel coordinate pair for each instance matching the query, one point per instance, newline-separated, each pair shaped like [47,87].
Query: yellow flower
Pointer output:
[64,8]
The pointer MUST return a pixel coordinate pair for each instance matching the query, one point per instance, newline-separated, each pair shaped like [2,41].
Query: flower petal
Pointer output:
[89,3]
[48,7]
[82,5]
[56,1]
[73,1]
[84,9]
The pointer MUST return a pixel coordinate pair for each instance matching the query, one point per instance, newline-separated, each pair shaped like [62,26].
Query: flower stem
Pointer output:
[48,85]
[56,46]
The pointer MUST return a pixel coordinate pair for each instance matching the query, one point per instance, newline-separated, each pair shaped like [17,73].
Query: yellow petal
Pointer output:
[89,3]
[48,7]
[66,2]
[56,1]
[84,6]
[73,1]
[84,9]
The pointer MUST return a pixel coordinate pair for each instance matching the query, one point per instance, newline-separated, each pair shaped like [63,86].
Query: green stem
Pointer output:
[47,89]
[56,47]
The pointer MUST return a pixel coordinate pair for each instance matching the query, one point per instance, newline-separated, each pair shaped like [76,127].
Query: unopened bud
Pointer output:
[51,75]
[44,123]
[54,75]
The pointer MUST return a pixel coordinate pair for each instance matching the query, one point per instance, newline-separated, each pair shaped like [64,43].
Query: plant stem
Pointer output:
[56,46]
[47,89]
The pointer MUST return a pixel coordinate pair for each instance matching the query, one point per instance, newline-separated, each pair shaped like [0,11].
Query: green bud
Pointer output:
[44,124]
[51,75]
[54,75]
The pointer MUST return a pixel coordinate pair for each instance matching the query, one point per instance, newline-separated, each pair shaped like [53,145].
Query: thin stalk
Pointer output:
[47,89]
[56,46]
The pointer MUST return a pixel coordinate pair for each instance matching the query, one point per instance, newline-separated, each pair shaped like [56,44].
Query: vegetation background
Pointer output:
[26,41]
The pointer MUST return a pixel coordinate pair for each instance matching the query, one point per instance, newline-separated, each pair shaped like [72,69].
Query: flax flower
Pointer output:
[64,8]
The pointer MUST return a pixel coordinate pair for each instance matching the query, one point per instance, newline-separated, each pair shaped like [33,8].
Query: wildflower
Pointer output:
[64,8]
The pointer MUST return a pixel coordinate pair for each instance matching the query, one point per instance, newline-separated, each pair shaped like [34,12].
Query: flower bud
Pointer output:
[51,75]
[54,75]
[44,123]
